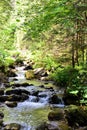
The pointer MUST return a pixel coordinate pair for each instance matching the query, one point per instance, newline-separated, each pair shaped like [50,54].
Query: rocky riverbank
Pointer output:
[61,116]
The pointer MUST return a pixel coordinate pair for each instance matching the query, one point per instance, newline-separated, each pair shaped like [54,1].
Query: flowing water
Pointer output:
[31,113]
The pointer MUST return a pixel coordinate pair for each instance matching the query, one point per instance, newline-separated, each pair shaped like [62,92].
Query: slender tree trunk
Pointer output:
[86,57]
[77,43]
[73,53]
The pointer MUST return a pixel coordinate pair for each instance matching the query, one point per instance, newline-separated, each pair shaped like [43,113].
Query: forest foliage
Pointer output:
[54,31]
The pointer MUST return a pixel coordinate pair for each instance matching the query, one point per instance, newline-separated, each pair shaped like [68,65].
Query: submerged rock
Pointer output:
[12,126]
[11,104]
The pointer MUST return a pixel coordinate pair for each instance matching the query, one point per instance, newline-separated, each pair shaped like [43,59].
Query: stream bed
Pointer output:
[31,112]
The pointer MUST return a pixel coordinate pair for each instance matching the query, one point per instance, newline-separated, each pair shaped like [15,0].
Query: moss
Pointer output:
[29,74]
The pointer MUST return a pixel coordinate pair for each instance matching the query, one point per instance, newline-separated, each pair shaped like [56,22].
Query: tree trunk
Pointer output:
[86,57]
[73,53]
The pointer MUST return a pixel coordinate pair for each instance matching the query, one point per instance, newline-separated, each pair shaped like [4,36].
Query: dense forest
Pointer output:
[50,36]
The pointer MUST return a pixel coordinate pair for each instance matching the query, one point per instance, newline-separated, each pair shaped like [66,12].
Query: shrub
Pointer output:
[65,77]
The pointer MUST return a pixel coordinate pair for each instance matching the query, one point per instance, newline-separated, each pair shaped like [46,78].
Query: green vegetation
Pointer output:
[52,33]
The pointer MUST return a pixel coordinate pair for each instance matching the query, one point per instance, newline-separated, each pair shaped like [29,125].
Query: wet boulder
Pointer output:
[56,115]
[1,124]
[70,98]
[54,99]
[33,99]
[48,126]
[1,119]
[17,91]
[1,115]
[63,125]
[3,98]
[11,73]
[11,66]
[12,126]
[11,104]
[1,91]
[16,85]
[34,92]
[29,67]
[25,84]
[76,117]
[3,78]
[24,97]
[14,97]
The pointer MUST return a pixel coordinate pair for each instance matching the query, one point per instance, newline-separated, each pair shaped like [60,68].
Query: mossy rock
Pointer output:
[12,126]
[29,74]
[11,104]
[77,116]
[56,115]
[64,126]
[70,98]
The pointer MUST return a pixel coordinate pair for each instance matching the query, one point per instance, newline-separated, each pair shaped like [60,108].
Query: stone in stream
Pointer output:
[11,66]
[21,85]
[3,78]
[14,97]
[35,93]
[1,115]
[26,84]
[1,123]
[1,91]
[48,126]
[56,115]
[11,104]
[17,91]
[12,126]
[54,99]
[29,67]
[76,116]
[70,98]
[41,86]
[16,85]
[3,98]
[1,119]
[11,73]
